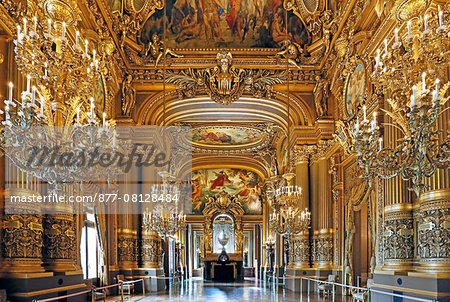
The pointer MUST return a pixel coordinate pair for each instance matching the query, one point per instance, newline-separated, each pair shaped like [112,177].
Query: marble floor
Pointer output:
[202,291]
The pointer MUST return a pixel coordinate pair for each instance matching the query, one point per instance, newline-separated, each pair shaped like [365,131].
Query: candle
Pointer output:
[104,119]
[77,35]
[385,47]
[440,18]
[33,95]
[357,126]
[78,115]
[413,102]
[434,97]
[42,107]
[436,87]
[49,26]
[34,24]
[18,34]
[425,23]
[28,82]
[423,81]
[93,55]
[24,26]
[45,70]
[7,114]
[409,29]
[375,119]
[92,107]
[10,92]
[396,36]
[364,112]
[413,97]
[64,29]
[380,143]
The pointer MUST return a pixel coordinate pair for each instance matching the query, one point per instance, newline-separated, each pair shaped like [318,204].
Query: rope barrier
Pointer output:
[63,297]
[93,289]
[367,290]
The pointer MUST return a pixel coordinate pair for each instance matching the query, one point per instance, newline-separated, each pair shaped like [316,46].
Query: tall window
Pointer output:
[90,248]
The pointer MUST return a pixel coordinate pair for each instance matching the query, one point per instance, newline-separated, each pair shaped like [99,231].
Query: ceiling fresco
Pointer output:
[244,184]
[226,24]
[227,136]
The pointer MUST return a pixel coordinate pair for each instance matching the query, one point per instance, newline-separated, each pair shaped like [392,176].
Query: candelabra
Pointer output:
[408,74]
[163,220]
[56,113]
[287,220]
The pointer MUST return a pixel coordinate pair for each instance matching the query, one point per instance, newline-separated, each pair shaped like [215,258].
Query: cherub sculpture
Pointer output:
[156,49]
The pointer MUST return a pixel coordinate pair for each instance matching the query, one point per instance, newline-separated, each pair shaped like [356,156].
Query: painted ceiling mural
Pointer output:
[226,24]
[225,136]
[242,183]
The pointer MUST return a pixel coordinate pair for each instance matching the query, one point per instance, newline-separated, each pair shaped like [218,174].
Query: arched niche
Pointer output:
[223,205]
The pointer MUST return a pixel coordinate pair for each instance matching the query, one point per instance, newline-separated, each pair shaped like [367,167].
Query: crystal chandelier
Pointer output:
[409,74]
[287,220]
[56,112]
[164,218]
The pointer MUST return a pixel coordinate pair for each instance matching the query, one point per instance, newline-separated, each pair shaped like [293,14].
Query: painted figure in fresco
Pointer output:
[197,193]
[220,137]
[220,181]
[128,96]
[156,49]
[210,10]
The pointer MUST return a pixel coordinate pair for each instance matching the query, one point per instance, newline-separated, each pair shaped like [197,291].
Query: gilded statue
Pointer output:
[321,96]
[239,235]
[156,49]
[128,96]
[291,51]
[208,235]
[348,262]
[328,28]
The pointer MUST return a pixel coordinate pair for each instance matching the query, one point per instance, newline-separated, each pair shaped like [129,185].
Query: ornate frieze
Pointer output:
[398,238]
[22,236]
[299,251]
[225,83]
[151,251]
[433,231]
[322,249]
[60,242]
[127,249]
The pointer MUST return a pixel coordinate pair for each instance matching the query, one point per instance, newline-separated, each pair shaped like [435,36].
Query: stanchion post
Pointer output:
[308,290]
[143,287]
[92,295]
[333,291]
[301,290]
[121,291]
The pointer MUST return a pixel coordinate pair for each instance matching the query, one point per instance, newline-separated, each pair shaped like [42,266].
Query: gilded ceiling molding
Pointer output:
[150,110]
[8,10]
[324,148]
[226,83]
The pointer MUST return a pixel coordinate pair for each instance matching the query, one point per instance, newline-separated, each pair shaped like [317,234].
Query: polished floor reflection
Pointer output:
[249,290]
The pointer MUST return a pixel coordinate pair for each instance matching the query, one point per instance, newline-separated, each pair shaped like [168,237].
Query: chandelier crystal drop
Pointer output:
[410,74]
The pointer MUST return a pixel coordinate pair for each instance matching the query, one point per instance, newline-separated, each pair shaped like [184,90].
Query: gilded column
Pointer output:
[398,216]
[433,238]
[433,231]
[323,231]
[299,245]
[60,236]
